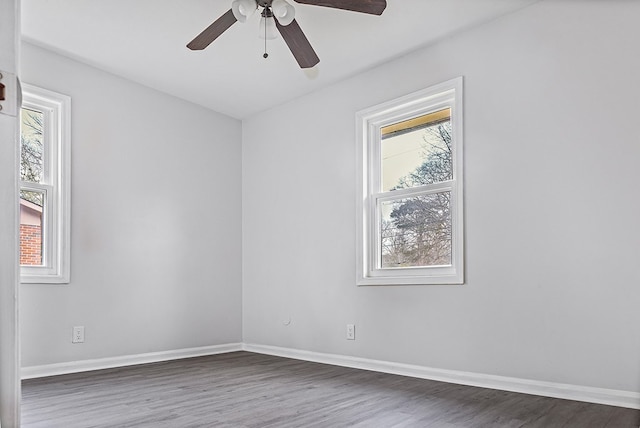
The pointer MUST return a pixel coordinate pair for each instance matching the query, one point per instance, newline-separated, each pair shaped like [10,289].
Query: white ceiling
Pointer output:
[145,41]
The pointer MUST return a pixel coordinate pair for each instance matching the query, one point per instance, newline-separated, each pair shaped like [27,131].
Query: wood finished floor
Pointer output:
[243,389]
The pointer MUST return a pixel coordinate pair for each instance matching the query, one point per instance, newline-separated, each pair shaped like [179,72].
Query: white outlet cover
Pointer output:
[351,332]
[78,335]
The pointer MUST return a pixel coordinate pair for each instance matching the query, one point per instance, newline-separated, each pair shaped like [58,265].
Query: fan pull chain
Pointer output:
[265,55]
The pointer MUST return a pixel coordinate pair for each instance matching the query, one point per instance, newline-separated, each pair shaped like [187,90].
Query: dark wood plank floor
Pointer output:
[243,389]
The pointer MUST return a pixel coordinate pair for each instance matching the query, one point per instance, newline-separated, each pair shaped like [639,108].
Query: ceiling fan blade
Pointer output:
[374,7]
[298,44]
[213,31]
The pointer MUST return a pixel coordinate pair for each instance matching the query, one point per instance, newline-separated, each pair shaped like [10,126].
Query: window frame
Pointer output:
[56,180]
[369,123]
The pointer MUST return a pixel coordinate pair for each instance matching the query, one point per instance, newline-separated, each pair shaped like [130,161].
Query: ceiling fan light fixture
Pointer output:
[283,11]
[268,29]
[243,9]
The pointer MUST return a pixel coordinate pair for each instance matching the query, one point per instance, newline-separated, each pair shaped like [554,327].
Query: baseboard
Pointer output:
[547,389]
[123,361]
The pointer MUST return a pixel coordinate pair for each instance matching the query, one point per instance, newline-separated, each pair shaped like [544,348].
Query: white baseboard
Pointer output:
[123,361]
[547,389]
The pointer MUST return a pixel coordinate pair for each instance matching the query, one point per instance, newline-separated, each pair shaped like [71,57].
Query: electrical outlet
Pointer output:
[78,334]
[351,332]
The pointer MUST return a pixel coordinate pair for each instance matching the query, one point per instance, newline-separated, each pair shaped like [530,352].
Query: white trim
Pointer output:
[588,394]
[126,360]
[369,122]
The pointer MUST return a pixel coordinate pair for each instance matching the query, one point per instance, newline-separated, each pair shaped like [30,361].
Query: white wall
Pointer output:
[551,152]
[155,223]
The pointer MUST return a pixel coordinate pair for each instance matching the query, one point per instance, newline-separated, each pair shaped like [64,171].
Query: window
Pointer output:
[410,204]
[44,186]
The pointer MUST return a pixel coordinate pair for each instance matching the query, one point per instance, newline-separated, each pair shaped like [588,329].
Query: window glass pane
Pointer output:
[416,231]
[417,151]
[31,241]
[31,145]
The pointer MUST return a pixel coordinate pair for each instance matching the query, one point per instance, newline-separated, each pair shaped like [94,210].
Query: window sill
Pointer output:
[421,280]
[44,279]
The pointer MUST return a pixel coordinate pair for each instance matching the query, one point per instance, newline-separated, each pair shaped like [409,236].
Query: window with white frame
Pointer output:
[410,198]
[44,186]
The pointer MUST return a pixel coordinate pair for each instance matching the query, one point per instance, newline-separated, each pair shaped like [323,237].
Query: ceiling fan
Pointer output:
[280,15]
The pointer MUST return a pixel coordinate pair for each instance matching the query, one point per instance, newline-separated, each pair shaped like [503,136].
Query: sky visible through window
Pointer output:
[407,145]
